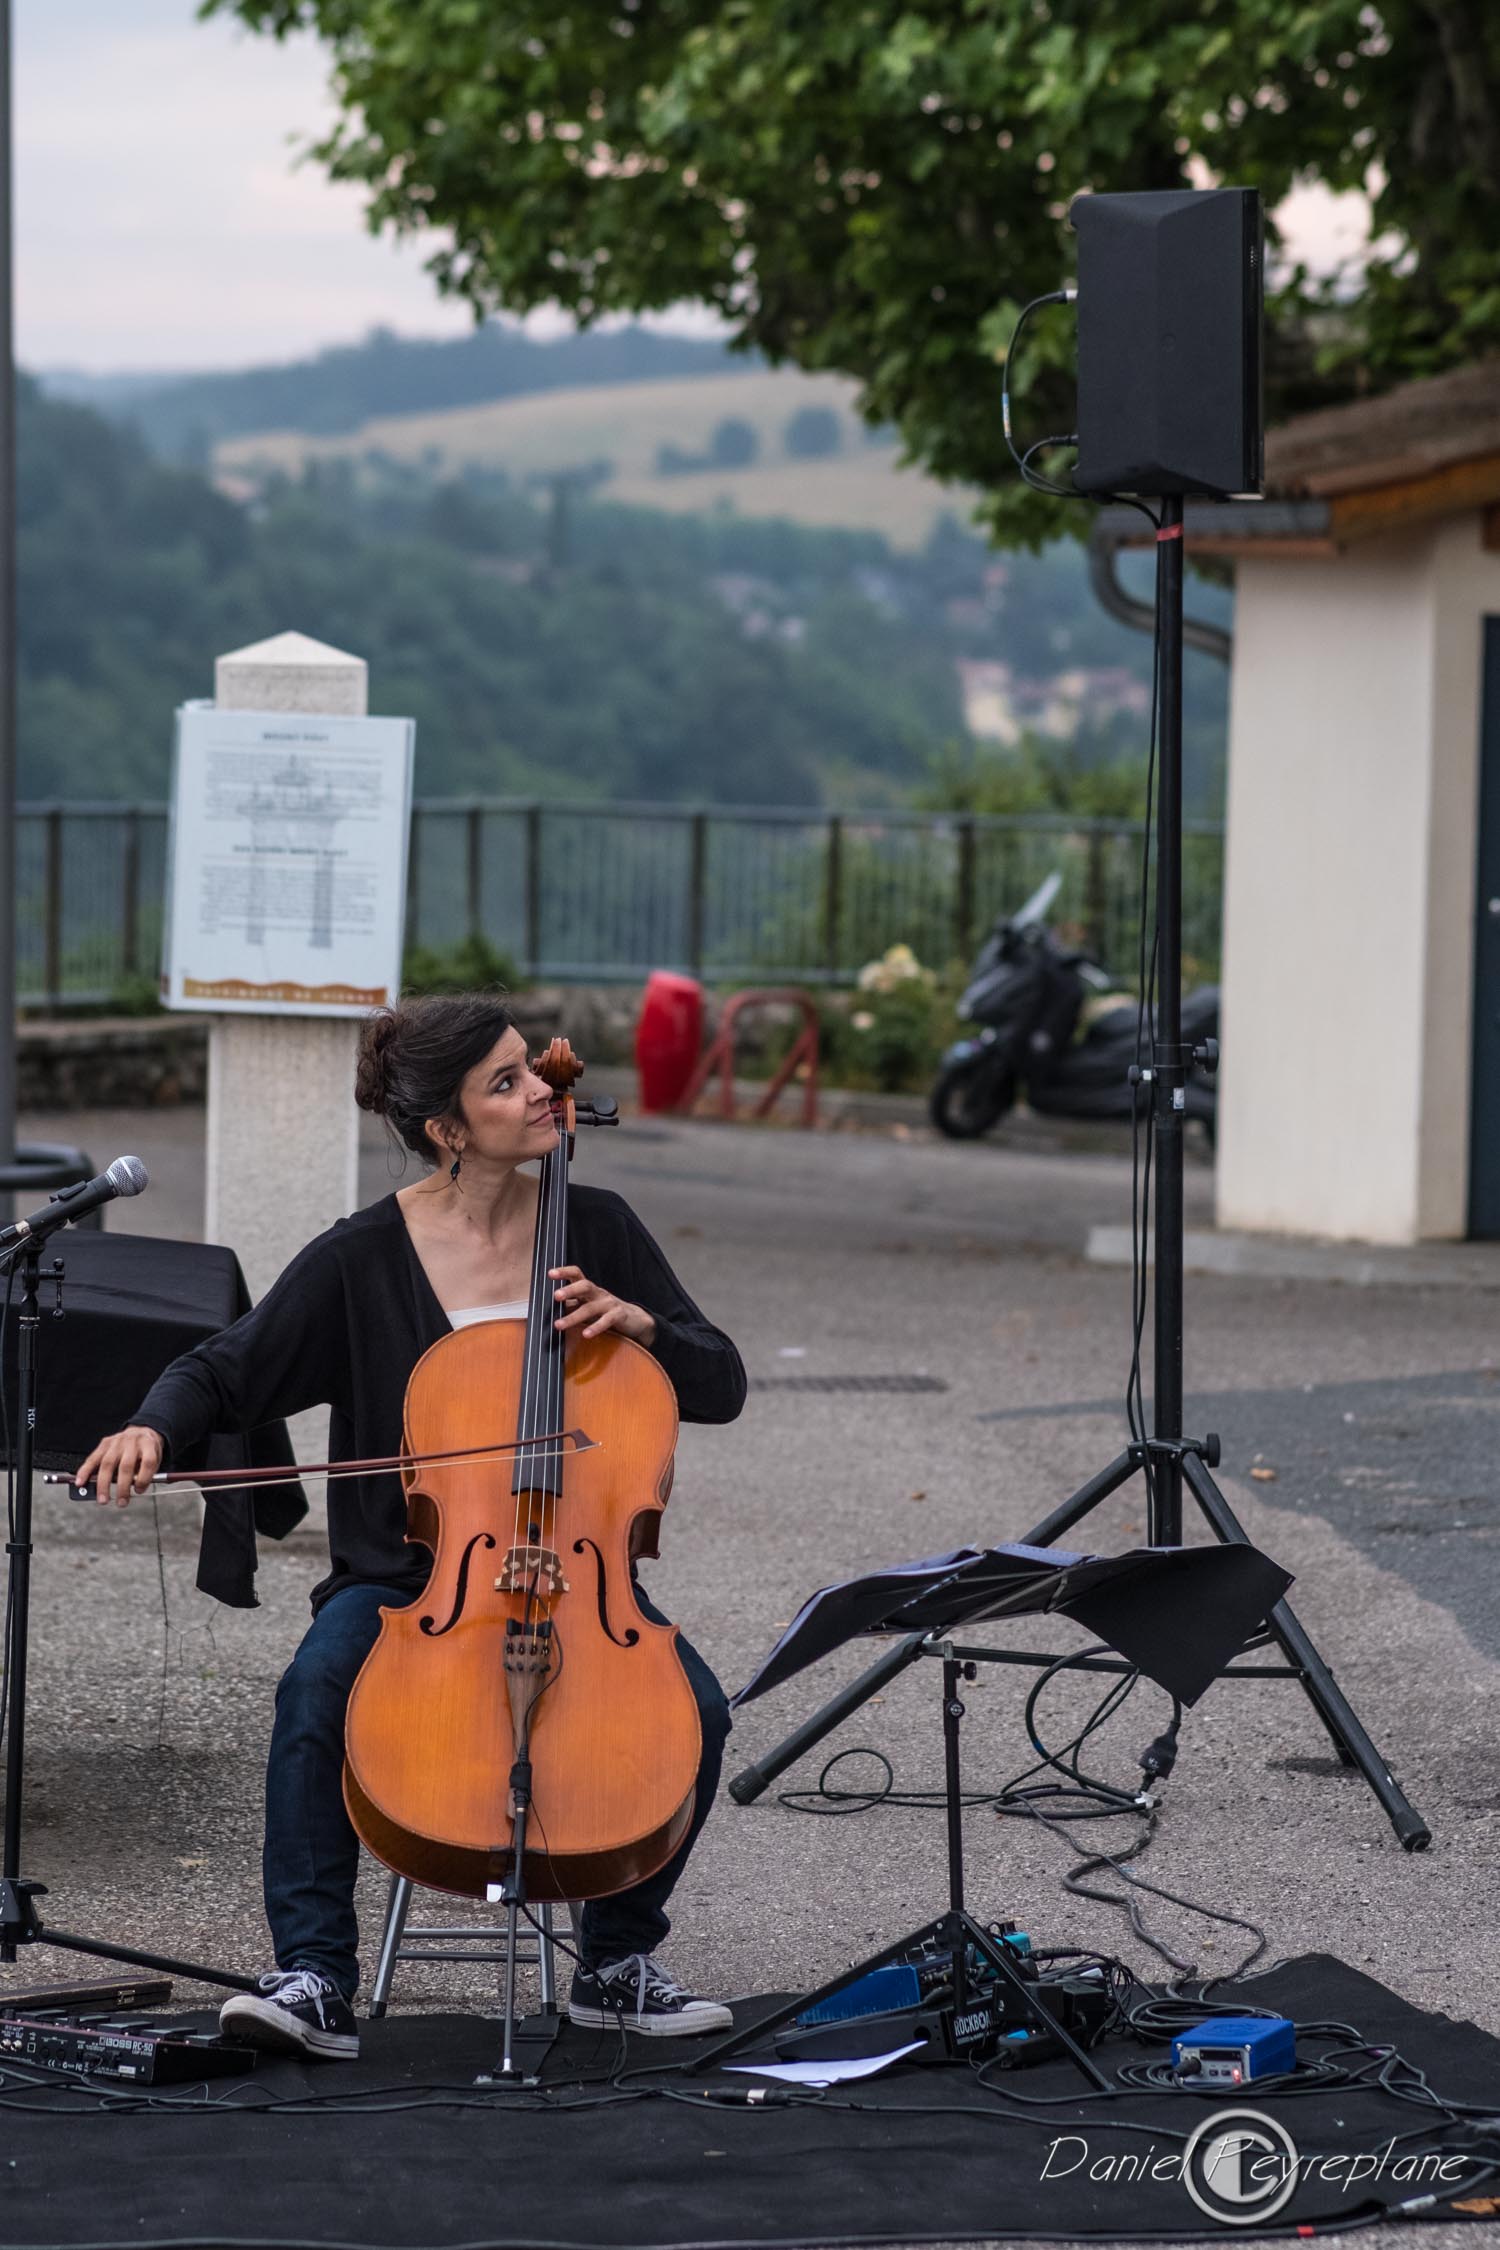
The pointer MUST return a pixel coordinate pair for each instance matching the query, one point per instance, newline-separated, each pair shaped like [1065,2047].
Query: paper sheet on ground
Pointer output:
[828,2072]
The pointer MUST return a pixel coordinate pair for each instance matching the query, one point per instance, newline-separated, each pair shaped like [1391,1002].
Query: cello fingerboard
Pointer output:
[539,1469]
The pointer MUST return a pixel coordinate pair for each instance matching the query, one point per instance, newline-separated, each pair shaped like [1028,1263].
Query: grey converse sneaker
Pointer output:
[639,1994]
[296,2012]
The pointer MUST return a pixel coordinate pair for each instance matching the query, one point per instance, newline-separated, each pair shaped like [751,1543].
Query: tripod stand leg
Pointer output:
[164,1964]
[753,1780]
[964,1926]
[1084,1500]
[1323,1692]
[737,2042]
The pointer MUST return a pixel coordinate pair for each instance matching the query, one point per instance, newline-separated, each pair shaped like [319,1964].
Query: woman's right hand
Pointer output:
[122,1464]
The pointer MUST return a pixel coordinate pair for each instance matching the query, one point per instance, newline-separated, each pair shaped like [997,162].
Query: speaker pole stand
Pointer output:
[1167,1459]
[1170,1065]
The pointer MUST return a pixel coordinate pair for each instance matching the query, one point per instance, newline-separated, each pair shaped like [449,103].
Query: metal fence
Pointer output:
[605,893]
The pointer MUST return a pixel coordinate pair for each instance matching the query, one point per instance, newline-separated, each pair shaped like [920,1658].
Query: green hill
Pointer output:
[689,444]
[184,417]
[652,409]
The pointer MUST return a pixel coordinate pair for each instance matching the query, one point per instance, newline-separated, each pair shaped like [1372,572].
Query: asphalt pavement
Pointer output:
[1358,1451]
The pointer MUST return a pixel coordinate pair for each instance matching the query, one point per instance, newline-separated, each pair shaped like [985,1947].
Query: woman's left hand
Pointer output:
[595,1312]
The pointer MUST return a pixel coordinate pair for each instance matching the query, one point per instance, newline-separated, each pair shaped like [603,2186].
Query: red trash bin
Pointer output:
[668,1038]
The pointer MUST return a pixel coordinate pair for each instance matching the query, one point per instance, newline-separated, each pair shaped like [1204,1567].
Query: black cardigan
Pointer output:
[347,1322]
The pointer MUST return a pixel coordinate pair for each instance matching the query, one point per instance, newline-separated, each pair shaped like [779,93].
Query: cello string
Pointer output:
[558,1248]
[525,1484]
[527,1425]
[549,1233]
[547,1333]
[553,1232]
[540,1362]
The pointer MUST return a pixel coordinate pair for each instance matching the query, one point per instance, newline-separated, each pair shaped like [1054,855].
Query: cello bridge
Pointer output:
[532,1569]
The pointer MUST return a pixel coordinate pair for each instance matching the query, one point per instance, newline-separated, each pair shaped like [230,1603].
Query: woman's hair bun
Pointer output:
[414,1057]
[375,1036]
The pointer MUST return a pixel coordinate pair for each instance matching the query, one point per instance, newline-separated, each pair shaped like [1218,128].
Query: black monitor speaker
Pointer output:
[1170,297]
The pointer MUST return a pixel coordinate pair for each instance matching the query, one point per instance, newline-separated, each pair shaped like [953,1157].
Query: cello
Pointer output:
[522,1729]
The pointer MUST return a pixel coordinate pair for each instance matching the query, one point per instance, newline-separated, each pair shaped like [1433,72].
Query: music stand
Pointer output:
[1176,1614]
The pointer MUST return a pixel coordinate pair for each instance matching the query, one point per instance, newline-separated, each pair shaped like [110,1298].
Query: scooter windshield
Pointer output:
[1039,904]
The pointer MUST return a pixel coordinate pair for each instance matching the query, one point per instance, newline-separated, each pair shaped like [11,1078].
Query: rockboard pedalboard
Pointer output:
[120,2048]
[915,2002]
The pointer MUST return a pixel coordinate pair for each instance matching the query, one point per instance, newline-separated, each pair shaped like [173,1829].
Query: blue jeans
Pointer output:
[312,1853]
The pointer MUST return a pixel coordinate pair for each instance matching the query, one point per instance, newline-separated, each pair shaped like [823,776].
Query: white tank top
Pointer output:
[469,1316]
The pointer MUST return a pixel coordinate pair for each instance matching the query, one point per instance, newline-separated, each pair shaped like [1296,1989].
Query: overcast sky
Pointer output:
[161,218]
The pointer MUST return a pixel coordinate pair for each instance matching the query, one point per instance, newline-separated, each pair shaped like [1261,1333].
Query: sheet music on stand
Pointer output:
[1179,1614]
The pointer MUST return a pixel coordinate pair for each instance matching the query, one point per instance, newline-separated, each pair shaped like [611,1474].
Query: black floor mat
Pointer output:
[401,2149]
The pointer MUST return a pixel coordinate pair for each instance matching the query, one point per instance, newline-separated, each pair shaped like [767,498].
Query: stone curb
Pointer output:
[1250,1257]
[840,1106]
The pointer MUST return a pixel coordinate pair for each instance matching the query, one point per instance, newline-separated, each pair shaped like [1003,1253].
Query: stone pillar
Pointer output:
[282,1126]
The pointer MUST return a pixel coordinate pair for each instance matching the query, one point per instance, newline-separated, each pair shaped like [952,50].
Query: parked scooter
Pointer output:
[1028,994]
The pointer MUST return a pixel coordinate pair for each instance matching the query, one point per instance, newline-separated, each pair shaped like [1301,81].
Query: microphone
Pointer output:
[126,1176]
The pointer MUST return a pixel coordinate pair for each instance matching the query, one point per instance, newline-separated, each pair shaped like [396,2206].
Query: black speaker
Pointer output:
[1170,316]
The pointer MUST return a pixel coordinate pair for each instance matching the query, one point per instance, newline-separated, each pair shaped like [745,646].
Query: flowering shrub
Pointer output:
[899,1024]
[887,1035]
[897,966]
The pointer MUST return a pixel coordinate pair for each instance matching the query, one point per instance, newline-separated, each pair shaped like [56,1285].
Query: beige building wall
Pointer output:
[1349,888]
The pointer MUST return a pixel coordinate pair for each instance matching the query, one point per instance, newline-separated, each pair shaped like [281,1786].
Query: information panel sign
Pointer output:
[286,879]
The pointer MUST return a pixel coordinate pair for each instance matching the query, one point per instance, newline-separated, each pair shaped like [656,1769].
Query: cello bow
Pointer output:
[237,1480]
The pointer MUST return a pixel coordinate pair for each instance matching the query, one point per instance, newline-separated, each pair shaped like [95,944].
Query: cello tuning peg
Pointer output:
[603,1111]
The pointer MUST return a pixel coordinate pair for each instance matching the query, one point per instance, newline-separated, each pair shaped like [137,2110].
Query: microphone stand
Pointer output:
[20,1923]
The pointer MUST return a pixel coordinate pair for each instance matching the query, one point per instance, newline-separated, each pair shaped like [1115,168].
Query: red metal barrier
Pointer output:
[719,1056]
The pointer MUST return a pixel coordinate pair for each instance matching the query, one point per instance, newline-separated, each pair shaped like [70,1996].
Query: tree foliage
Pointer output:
[734,444]
[877,186]
[1096,776]
[812,433]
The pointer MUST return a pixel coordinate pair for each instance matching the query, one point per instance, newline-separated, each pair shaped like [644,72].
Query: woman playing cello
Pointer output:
[344,1326]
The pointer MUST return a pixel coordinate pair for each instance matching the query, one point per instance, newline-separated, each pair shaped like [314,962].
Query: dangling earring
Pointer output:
[453,1169]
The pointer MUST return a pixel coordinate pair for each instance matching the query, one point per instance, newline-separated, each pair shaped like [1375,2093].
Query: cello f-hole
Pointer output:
[582,1546]
[460,1591]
